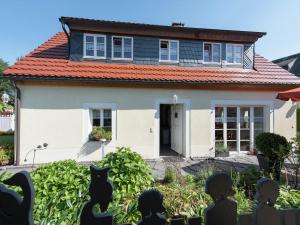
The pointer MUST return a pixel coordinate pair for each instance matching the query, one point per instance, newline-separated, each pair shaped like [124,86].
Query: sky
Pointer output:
[25,24]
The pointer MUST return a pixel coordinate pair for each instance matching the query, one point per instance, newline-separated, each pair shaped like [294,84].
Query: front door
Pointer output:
[177,128]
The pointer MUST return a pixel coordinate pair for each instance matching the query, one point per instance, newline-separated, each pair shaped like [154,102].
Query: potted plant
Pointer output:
[221,151]
[100,134]
[273,149]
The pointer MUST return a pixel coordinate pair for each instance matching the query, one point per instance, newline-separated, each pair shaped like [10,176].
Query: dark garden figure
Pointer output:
[150,204]
[267,192]
[100,192]
[224,210]
[15,210]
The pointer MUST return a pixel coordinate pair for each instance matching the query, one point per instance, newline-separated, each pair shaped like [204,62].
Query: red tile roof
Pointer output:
[50,60]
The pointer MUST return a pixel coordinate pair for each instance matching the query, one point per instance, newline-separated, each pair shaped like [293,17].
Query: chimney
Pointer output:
[177,24]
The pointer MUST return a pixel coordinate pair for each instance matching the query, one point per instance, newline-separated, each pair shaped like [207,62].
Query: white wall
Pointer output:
[55,115]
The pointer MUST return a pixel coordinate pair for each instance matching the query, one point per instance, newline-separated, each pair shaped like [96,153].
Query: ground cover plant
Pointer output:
[61,189]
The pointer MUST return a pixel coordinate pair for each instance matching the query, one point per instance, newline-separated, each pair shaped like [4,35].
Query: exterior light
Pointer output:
[5,98]
[175,99]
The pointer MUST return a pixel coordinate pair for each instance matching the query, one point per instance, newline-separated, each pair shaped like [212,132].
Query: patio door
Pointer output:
[177,128]
[237,126]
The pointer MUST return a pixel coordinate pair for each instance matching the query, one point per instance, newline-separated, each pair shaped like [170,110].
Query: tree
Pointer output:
[5,85]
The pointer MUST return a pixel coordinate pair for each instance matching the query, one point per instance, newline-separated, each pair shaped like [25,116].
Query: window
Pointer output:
[102,118]
[235,124]
[122,48]
[234,53]
[212,53]
[94,46]
[168,50]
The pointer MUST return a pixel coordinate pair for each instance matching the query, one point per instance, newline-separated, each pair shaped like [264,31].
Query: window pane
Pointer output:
[96,113]
[107,113]
[207,53]
[245,117]
[245,134]
[216,53]
[89,45]
[231,145]
[127,48]
[238,54]
[96,123]
[164,50]
[174,50]
[231,134]
[117,43]
[219,135]
[107,122]
[219,117]
[258,120]
[245,146]
[231,117]
[100,46]
[229,53]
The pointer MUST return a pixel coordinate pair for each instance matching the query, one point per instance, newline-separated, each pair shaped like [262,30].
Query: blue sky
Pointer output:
[27,23]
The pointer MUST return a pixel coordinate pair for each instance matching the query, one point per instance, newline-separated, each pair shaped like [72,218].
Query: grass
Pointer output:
[6,139]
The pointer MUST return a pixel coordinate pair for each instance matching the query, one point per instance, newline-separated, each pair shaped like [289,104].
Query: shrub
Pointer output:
[6,154]
[170,175]
[61,190]
[130,173]
[99,133]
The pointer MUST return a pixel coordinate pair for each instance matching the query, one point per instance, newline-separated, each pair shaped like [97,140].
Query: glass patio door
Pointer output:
[237,126]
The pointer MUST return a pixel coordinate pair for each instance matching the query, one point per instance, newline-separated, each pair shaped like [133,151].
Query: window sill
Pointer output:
[93,57]
[168,62]
[122,59]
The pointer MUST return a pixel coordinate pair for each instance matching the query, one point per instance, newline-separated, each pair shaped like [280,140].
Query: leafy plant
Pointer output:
[170,175]
[99,133]
[220,148]
[6,154]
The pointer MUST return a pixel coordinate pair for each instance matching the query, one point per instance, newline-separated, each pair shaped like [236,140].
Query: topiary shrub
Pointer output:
[275,147]
[129,172]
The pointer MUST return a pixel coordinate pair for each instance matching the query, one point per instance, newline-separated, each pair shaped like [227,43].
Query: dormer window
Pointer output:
[212,53]
[94,46]
[234,53]
[169,51]
[122,48]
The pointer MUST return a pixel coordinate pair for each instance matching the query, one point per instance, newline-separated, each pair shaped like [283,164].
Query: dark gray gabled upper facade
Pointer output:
[146,45]
[290,63]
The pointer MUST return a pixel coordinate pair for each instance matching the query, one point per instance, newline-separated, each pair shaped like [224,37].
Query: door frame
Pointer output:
[186,124]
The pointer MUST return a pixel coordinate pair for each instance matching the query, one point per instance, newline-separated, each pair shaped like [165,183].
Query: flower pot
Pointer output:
[263,162]
[222,154]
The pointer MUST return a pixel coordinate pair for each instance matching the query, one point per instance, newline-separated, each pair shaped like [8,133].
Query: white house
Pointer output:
[160,90]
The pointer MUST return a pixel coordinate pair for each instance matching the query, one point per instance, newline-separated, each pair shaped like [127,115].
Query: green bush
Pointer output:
[170,175]
[129,173]
[6,154]
[274,146]
[99,133]
[61,190]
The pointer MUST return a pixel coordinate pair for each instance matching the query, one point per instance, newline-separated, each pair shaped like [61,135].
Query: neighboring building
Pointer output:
[290,63]
[155,87]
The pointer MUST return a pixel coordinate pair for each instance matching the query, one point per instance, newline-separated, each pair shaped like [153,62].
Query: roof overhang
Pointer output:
[138,29]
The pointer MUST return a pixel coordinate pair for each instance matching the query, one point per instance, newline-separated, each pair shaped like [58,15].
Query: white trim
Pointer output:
[187,129]
[238,103]
[169,51]
[235,63]
[86,118]
[122,50]
[95,46]
[212,43]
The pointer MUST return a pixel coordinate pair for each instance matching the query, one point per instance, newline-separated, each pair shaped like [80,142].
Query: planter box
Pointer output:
[222,154]
[264,162]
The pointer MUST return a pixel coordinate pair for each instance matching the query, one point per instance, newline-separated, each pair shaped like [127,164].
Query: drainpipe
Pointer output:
[17,124]
[254,55]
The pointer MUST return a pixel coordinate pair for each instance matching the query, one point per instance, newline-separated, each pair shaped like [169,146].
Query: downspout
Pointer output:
[17,124]
[254,55]
[63,25]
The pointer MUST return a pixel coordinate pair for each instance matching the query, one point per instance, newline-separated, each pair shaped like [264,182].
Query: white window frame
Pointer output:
[169,51]
[234,45]
[242,103]
[213,43]
[101,115]
[122,51]
[87,119]
[95,46]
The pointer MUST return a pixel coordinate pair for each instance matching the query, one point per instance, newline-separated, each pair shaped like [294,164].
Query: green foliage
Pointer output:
[60,191]
[130,173]
[288,198]
[6,139]
[274,146]
[6,154]
[5,85]
[99,133]
[170,175]
[220,148]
